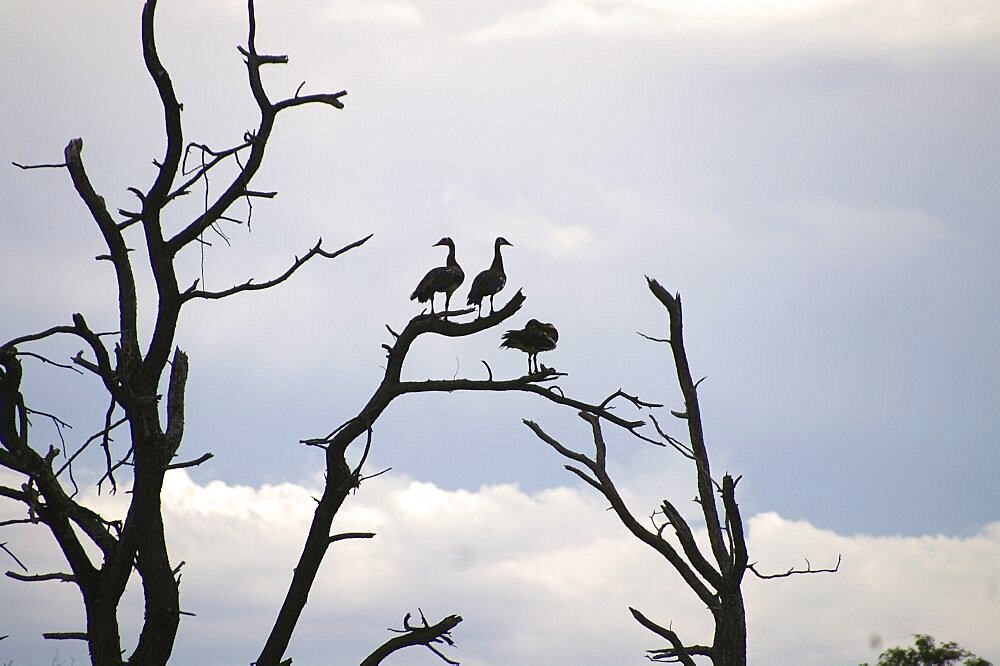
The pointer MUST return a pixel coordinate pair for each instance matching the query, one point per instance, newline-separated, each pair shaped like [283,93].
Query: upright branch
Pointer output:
[716,576]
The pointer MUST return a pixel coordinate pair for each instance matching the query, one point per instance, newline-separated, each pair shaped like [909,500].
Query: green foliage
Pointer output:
[926,653]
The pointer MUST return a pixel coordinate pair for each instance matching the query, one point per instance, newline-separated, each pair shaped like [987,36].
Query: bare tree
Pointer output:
[715,575]
[131,370]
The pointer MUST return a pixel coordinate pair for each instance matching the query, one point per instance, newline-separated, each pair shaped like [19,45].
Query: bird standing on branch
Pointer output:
[445,279]
[491,281]
[535,337]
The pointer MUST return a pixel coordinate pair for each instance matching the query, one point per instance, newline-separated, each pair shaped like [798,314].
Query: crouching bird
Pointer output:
[535,337]
[444,279]
[489,282]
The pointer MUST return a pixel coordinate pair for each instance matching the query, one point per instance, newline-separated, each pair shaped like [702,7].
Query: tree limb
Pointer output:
[62,577]
[427,635]
[795,572]
[250,285]
[679,652]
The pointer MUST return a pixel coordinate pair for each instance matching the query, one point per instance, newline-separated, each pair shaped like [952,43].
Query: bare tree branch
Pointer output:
[66,636]
[679,653]
[331,99]
[351,535]
[427,635]
[795,572]
[62,577]
[250,285]
[26,167]
[7,550]
[191,463]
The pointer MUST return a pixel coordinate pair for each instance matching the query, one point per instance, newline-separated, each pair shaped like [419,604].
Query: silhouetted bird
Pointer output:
[533,338]
[489,282]
[445,279]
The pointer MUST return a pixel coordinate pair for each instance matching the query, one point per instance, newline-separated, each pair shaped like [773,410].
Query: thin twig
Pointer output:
[794,572]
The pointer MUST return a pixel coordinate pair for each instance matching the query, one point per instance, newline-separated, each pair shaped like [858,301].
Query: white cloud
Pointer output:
[541,578]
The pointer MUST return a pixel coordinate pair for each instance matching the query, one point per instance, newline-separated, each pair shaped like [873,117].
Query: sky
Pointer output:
[817,179]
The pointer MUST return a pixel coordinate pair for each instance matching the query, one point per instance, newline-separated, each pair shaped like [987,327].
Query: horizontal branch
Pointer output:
[35,578]
[61,165]
[17,521]
[65,636]
[12,493]
[351,535]
[527,384]
[331,99]
[263,59]
[795,572]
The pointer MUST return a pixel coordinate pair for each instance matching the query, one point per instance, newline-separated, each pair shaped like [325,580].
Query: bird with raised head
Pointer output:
[444,279]
[535,337]
[490,281]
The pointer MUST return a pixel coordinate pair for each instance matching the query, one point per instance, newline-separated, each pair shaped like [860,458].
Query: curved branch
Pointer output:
[679,652]
[249,285]
[117,249]
[167,171]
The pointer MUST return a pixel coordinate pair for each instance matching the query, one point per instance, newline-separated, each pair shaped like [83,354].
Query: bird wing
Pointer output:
[425,289]
[518,339]
[487,283]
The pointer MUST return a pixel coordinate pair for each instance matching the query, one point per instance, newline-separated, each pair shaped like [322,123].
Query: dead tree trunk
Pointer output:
[714,575]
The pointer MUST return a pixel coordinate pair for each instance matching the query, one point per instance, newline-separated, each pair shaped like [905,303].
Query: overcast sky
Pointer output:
[817,178]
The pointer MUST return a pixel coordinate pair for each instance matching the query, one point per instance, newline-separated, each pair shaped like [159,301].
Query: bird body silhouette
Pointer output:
[490,281]
[535,337]
[445,279]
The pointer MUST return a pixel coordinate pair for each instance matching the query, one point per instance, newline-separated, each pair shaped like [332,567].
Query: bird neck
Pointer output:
[497,259]
[451,256]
